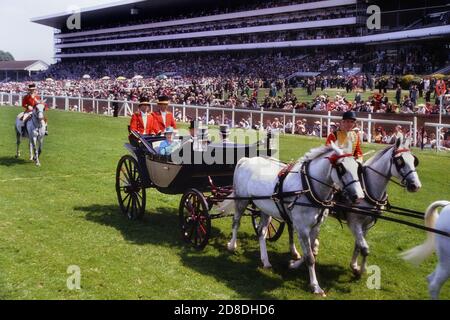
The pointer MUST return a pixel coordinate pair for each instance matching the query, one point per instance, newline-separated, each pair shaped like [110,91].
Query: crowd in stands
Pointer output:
[219,7]
[405,61]
[314,15]
[292,35]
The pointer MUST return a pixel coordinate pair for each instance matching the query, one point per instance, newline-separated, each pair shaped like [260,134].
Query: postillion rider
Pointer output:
[29,102]
[347,133]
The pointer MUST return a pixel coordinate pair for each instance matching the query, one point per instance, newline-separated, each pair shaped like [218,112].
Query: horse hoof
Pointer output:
[295,264]
[231,247]
[267,266]
[356,272]
[318,291]
[296,256]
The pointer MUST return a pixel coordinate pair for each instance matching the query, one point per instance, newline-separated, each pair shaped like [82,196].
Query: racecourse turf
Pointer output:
[66,213]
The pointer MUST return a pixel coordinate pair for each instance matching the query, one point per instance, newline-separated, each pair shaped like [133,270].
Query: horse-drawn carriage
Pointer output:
[204,177]
[306,193]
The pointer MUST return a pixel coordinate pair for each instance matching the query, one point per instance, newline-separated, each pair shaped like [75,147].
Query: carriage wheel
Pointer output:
[195,222]
[274,230]
[130,194]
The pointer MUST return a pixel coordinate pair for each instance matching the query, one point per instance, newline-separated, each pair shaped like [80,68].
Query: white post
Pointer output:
[20,97]
[109,105]
[438,130]
[10,98]
[184,111]
[415,132]
[369,129]
[233,117]
[329,123]
[1,99]
[262,118]
[54,101]
[321,128]
[82,103]
[66,105]
[93,105]
[293,122]
[207,113]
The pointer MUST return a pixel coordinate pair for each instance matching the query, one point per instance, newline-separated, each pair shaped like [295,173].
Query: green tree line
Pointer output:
[6,56]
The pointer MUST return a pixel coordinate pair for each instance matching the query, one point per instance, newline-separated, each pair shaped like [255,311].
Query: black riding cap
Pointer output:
[349,115]
[32,86]
[144,101]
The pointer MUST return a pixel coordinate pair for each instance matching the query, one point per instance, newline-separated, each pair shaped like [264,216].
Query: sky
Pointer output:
[30,41]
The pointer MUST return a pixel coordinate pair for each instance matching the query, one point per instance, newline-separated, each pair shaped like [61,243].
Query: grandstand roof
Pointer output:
[28,65]
[111,10]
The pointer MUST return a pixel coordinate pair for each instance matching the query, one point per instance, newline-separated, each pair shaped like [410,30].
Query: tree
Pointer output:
[6,56]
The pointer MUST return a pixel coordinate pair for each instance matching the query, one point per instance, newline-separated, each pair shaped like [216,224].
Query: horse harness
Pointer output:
[315,202]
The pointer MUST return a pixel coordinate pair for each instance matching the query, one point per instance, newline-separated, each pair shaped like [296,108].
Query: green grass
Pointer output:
[66,213]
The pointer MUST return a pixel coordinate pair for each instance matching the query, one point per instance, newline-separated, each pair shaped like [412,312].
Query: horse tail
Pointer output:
[418,254]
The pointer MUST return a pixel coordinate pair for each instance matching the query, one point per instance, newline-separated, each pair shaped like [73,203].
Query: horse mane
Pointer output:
[316,153]
[378,155]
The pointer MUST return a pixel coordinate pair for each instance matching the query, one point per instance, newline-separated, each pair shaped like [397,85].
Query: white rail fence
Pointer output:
[126,108]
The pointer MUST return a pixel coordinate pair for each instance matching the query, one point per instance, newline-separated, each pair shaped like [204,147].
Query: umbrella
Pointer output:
[49,79]
[162,76]
[121,78]
[86,76]
[138,77]
[106,78]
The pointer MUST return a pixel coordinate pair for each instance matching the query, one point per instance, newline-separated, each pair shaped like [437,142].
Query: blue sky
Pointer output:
[17,33]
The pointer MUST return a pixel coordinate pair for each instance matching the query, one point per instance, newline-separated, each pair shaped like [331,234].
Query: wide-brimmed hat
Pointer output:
[163,100]
[144,101]
[169,130]
[224,129]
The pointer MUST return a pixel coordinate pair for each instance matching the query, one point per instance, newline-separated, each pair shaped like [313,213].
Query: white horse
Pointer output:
[35,131]
[437,242]
[394,161]
[321,169]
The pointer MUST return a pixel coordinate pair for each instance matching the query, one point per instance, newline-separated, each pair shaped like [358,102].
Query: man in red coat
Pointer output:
[346,132]
[163,118]
[142,121]
[29,102]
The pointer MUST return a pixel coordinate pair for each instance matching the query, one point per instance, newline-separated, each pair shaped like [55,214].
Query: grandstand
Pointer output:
[197,37]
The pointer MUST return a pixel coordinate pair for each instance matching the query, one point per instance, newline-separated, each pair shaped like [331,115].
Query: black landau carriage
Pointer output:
[204,180]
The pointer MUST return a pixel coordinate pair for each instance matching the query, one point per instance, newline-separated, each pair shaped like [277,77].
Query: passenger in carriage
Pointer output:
[225,134]
[169,145]
[142,121]
[163,118]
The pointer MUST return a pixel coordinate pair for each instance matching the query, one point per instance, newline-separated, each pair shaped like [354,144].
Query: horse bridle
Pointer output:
[35,115]
[399,163]
[341,170]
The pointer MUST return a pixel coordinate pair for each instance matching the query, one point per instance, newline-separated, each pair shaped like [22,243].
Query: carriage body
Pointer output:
[190,173]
